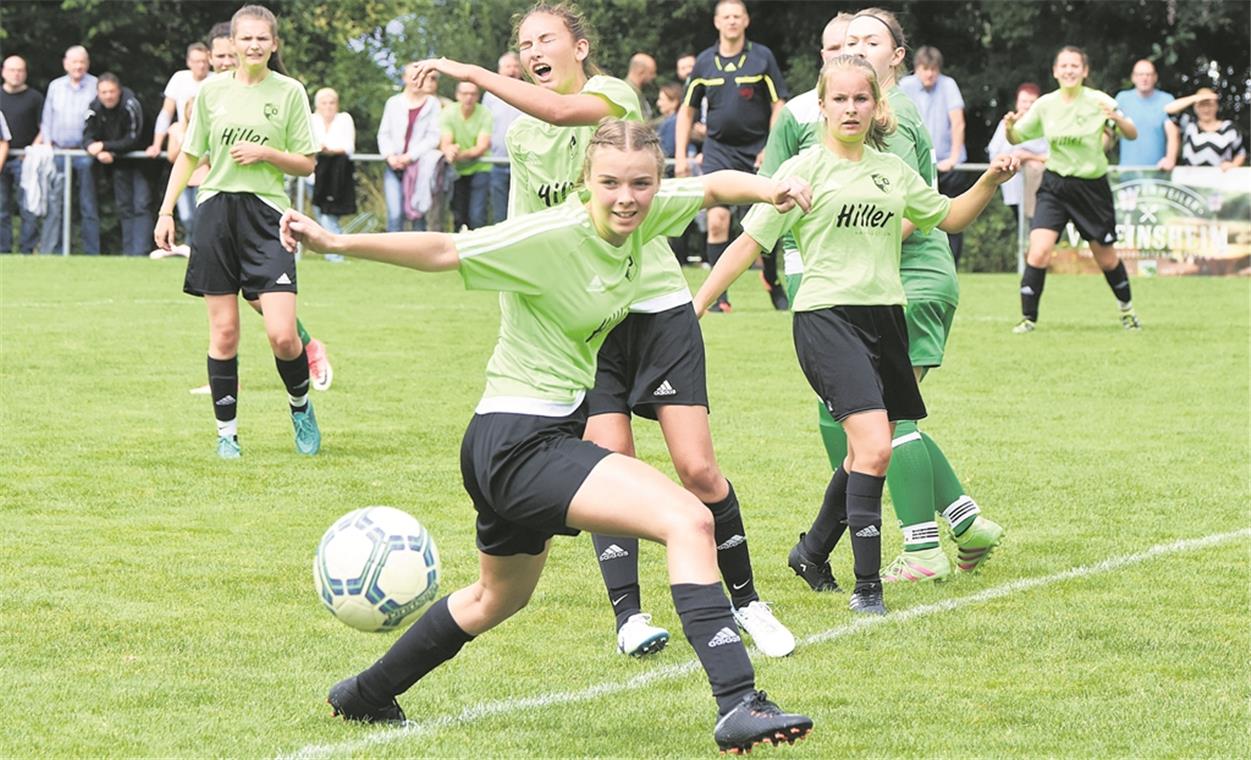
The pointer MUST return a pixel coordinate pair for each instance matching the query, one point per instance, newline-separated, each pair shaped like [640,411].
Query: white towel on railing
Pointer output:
[38,167]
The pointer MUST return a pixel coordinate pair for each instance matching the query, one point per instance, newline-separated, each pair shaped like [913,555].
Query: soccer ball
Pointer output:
[376,568]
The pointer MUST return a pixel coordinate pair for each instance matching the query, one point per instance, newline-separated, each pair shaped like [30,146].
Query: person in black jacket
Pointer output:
[114,127]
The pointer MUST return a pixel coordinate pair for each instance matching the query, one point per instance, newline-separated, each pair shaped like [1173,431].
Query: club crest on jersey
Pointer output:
[271,111]
[881,182]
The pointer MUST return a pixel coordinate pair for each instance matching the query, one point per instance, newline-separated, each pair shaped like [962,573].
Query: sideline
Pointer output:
[412,730]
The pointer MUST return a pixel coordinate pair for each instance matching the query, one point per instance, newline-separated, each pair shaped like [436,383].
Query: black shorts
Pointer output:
[651,360]
[521,471]
[718,156]
[856,359]
[235,246]
[1085,202]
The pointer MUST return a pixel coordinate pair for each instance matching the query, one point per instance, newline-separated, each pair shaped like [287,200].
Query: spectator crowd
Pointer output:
[436,151]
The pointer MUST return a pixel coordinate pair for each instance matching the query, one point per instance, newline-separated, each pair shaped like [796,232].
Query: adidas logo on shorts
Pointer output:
[225,401]
[731,542]
[868,532]
[723,637]
[613,552]
[665,389]
[283,279]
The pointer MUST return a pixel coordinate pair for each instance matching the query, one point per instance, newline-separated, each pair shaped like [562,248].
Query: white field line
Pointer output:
[411,730]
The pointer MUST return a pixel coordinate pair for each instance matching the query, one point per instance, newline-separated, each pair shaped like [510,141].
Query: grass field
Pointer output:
[159,602]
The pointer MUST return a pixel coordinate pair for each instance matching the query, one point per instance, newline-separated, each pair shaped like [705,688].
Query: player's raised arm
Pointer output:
[425,251]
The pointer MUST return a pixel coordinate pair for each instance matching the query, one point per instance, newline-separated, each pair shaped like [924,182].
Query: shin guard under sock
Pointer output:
[911,480]
[733,558]
[1118,280]
[294,374]
[864,522]
[831,521]
[433,640]
[223,377]
[710,628]
[619,565]
[1032,283]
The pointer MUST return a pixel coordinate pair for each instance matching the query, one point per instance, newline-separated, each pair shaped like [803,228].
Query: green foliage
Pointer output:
[990,243]
[158,602]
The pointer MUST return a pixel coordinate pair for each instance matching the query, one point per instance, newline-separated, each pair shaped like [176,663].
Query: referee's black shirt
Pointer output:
[740,90]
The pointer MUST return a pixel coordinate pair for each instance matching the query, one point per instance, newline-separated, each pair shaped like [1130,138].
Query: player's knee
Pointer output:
[285,344]
[224,339]
[690,521]
[701,477]
[873,459]
[494,606]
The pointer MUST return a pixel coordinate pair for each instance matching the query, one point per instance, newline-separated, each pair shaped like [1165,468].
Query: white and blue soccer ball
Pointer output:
[376,569]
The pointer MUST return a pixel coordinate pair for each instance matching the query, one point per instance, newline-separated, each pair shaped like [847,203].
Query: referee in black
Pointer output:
[743,87]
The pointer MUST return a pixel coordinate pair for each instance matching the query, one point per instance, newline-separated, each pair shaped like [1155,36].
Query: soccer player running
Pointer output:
[254,126]
[1074,186]
[652,364]
[922,481]
[566,275]
[224,58]
[850,333]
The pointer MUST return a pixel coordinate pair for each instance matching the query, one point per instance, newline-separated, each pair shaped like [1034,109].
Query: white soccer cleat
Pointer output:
[769,635]
[639,637]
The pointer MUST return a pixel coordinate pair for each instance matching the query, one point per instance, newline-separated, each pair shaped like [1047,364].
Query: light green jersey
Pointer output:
[465,133]
[1074,131]
[798,127]
[926,265]
[562,289]
[273,113]
[546,165]
[850,238]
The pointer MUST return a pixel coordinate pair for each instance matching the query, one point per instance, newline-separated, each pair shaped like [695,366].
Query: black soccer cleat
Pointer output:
[867,599]
[756,720]
[817,575]
[345,697]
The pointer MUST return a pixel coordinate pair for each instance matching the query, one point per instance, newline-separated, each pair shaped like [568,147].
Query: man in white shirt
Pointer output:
[182,86]
[502,117]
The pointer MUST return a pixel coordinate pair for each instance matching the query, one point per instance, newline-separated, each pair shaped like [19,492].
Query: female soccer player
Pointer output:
[850,333]
[921,480]
[653,362]
[254,127]
[1075,184]
[566,276]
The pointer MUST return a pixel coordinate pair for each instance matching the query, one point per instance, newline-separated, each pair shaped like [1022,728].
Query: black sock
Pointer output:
[714,255]
[733,558]
[1118,280]
[433,640]
[1031,291]
[619,564]
[831,521]
[864,520]
[709,626]
[224,386]
[294,374]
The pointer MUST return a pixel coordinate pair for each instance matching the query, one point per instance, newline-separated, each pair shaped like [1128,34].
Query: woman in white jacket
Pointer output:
[409,127]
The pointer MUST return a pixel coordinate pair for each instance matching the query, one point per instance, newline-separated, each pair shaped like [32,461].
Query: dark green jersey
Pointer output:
[799,126]
[926,265]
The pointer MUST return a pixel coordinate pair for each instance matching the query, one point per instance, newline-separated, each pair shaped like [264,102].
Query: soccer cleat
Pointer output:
[307,435]
[228,447]
[1025,326]
[721,305]
[817,575]
[201,390]
[769,635]
[345,697]
[867,599]
[319,369]
[777,294]
[974,545]
[638,636]
[1129,320]
[917,566]
[756,720]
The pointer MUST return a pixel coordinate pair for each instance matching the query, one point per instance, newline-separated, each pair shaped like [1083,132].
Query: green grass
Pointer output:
[159,602]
